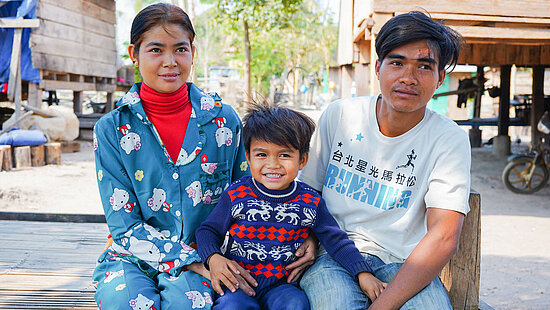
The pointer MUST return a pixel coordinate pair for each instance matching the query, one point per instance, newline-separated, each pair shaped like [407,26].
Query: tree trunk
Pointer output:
[247,63]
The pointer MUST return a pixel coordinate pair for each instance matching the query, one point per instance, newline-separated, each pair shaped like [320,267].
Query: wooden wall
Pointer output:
[76,37]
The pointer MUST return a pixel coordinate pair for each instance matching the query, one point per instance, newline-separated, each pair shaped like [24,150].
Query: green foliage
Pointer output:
[283,34]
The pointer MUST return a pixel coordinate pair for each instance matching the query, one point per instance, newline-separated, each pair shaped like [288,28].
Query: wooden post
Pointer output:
[504,101]
[475,133]
[35,95]
[537,107]
[5,153]
[110,105]
[37,156]
[53,153]
[22,156]
[77,102]
[345,82]
[461,275]
[362,79]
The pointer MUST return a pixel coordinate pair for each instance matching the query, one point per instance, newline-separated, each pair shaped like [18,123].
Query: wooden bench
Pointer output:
[49,265]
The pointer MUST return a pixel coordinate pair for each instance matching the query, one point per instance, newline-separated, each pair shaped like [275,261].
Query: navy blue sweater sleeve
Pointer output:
[211,232]
[337,243]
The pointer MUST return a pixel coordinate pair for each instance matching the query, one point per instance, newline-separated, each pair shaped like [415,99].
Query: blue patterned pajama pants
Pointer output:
[122,285]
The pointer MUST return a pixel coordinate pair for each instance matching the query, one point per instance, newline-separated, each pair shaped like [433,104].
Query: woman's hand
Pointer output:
[306,258]
[199,269]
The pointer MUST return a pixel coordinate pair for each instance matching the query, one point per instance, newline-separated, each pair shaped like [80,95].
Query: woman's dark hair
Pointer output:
[278,125]
[160,14]
[415,26]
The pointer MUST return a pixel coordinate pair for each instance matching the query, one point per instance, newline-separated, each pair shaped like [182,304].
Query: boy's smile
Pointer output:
[273,165]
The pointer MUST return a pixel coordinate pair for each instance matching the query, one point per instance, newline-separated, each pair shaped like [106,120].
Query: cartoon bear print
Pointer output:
[146,250]
[207,103]
[224,136]
[198,300]
[130,141]
[119,200]
[94,141]
[110,275]
[154,233]
[194,191]
[158,200]
[141,303]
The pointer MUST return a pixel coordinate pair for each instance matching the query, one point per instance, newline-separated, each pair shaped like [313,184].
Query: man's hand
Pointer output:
[225,271]
[370,285]
[306,258]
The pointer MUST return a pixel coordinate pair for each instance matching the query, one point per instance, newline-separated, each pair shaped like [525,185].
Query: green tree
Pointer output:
[258,15]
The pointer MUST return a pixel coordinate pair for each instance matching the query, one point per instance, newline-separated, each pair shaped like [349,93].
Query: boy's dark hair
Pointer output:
[278,125]
[415,26]
[160,14]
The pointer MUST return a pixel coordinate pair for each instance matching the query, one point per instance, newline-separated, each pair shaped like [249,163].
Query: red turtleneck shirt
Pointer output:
[169,113]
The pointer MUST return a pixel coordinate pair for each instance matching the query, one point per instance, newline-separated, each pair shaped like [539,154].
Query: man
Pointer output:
[394,174]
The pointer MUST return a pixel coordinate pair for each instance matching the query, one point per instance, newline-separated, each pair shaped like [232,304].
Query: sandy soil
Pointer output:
[515,266]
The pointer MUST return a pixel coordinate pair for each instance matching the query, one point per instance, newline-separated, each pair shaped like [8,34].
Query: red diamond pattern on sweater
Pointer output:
[280,234]
[307,198]
[267,270]
[240,192]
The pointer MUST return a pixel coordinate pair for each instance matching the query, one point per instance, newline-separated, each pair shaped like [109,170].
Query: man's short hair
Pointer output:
[415,26]
[278,125]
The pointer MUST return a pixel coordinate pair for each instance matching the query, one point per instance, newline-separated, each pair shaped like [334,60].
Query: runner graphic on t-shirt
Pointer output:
[410,157]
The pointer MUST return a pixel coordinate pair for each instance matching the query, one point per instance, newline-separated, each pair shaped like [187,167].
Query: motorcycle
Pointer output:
[528,172]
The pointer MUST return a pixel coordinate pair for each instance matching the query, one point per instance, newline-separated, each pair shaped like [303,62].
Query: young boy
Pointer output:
[269,215]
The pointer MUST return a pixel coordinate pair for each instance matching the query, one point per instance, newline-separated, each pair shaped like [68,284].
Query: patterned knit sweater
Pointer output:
[267,226]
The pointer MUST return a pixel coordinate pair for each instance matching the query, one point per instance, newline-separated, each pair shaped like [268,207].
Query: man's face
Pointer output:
[408,77]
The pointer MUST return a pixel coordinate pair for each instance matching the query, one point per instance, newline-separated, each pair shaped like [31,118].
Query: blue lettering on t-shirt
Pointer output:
[364,189]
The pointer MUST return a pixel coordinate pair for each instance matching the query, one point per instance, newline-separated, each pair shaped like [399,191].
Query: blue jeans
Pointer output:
[279,297]
[331,287]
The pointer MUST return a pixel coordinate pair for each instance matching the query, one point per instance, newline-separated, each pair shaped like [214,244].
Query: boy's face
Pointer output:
[273,165]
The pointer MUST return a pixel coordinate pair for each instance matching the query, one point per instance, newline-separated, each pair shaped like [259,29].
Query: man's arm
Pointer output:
[426,260]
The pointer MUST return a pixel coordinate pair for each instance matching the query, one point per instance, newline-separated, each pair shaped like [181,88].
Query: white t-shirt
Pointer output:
[378,187]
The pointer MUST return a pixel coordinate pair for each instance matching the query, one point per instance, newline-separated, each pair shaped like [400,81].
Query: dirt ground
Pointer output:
[515,266]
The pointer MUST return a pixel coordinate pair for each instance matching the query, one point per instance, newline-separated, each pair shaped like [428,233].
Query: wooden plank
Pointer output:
[70,146]
[86,8]
[53,153]
[535,8]
[106,4]
[15,63]
[19,23]
[58,14]
[447,17]
[72,65]
[54,29]
[345,33]
[545,55]
[461,275]
[479,32]
[22,156]
[37,156]
[64,48]
[76,86]
[7,162]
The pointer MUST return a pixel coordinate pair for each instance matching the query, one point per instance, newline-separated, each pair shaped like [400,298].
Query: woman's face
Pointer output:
[164,58]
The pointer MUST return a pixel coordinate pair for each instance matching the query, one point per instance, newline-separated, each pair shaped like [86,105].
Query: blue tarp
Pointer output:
[17,9]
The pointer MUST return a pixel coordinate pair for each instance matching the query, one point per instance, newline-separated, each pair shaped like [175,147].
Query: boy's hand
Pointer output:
[224,270]
[370,285]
